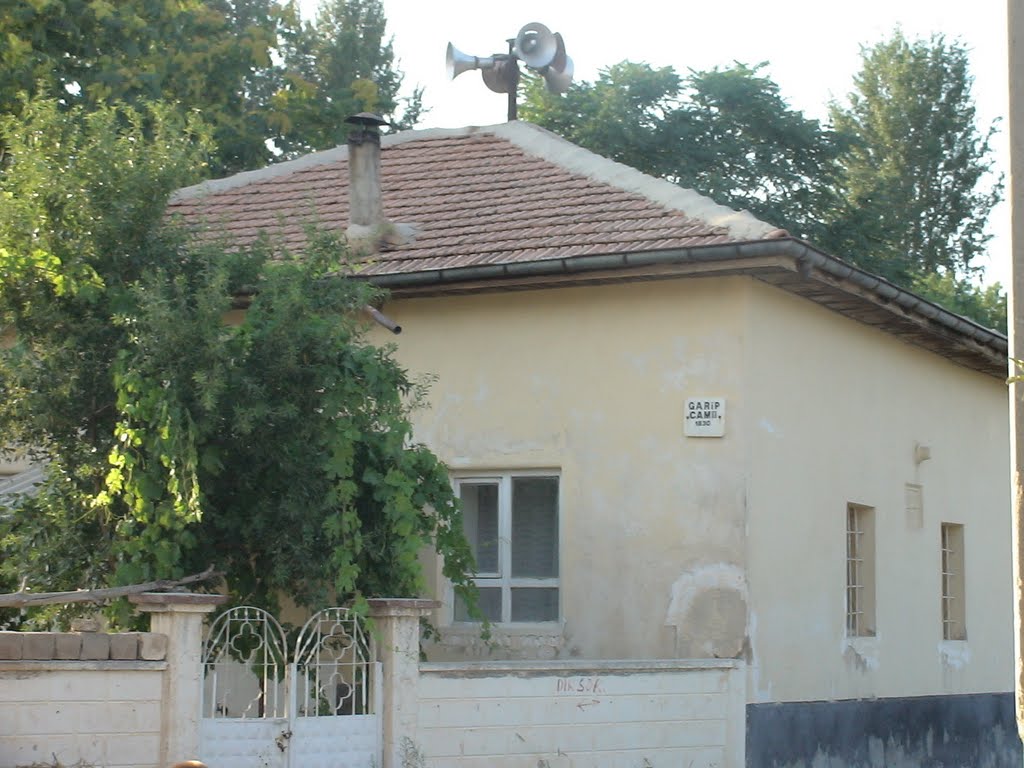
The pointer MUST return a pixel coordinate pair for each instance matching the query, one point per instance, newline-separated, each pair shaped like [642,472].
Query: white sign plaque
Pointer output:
[705,417]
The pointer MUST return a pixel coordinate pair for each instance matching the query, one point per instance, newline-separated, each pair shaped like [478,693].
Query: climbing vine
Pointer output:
[279,448]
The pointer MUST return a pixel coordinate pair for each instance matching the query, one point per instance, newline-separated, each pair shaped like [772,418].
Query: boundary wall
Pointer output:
[133,700]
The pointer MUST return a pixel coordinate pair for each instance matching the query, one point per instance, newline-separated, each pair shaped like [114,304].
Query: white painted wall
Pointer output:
[103,713]
[833,410]
[600,715]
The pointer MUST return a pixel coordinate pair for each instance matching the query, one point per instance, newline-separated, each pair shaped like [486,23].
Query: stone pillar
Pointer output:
[397,632]
[179,616]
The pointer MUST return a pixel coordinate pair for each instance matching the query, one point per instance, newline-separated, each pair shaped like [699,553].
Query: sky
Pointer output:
[812,49]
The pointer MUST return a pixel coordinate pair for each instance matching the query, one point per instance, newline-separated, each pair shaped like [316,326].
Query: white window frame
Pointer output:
[503,579]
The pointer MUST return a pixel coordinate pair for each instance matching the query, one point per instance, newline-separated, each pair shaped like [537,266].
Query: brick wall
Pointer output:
[607,714]
[90,696]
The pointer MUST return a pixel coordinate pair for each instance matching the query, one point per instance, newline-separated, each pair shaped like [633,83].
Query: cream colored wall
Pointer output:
[592,382]
[834,412]
[664,535]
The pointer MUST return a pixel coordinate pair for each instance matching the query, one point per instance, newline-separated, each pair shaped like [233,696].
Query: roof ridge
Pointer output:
[313,159]
[550,146]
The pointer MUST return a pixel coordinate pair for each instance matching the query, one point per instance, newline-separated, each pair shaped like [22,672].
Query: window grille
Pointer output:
[860,571]
[953,586]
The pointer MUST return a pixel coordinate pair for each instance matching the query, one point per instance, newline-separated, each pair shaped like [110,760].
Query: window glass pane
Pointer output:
[534,604]
[490,605]
[535,527]
[480,520]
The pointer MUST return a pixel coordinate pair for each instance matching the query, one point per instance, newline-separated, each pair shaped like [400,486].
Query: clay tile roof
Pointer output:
[512,193]
[507,200]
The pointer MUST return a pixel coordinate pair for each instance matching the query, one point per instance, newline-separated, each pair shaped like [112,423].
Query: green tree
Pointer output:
[725,132]
[80,200]
[256,72]
[278,449]
[984,303]
[918,185]
[213,56]
[339,65]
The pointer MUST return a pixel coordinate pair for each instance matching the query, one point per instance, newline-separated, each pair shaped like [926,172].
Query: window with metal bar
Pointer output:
[860,571]
[954,595]
[511,523]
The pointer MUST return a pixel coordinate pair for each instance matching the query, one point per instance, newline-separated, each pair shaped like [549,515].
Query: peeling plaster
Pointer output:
[760,694]
[482,392]
[955,653]
[505,644]
[861,652]
[692,582]
[708,608]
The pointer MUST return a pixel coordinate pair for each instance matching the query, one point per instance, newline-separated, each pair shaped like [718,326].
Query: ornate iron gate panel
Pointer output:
[336,688]
[319,711]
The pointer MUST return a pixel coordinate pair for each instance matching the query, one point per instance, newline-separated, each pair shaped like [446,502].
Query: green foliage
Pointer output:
[985,304]
[915,198]
[210,55]
[251,67]
[725,132]
[80,198]
[622,115]
[278,449]
[335,67]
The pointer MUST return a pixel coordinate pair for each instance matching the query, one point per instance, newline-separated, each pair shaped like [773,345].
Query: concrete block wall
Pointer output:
[116,700]
[588,715]
[105,713]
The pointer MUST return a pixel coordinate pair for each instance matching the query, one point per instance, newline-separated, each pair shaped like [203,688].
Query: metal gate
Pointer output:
[317,707]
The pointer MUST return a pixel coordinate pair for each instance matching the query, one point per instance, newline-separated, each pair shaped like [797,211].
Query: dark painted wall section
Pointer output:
[968,731]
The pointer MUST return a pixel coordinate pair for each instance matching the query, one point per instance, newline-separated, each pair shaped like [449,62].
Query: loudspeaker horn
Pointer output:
[535,45]
[456,62]
[558,74]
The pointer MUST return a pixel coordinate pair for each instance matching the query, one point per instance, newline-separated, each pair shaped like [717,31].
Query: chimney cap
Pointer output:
[366,120]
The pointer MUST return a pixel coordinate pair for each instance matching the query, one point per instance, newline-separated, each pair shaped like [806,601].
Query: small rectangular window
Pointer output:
[954,594]
[511,523]
[860,571]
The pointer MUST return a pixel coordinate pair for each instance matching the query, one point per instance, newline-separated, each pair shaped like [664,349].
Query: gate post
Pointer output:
[179,616]
[397,629]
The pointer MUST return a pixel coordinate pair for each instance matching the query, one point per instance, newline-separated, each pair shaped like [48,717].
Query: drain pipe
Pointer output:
[382,320]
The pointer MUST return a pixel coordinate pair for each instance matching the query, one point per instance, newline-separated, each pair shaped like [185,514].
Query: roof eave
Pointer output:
[796,256]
